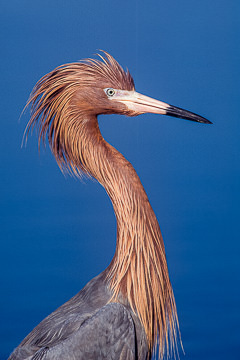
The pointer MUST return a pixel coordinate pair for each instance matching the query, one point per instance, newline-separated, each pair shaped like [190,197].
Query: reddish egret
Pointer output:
[129,308]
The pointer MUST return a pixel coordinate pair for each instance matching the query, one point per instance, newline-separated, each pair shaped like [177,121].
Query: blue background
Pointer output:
[56,232]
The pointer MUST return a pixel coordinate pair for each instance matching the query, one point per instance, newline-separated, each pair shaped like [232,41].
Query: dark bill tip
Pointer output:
[184,114]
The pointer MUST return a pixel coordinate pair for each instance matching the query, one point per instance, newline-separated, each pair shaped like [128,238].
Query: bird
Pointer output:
[128,311]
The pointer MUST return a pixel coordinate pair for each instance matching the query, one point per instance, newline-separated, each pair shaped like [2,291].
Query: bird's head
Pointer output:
[63,100]
[105,88]
[96,87]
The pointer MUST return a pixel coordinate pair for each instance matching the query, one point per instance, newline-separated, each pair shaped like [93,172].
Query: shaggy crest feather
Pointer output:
[63,105]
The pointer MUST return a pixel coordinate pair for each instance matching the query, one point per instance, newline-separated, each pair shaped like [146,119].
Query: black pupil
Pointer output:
[110,92]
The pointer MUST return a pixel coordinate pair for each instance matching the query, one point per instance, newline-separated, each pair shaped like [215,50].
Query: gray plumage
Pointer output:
[86,327]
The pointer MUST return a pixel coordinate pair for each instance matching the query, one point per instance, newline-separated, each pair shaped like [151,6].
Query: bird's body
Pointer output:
[88,326]
[127,309]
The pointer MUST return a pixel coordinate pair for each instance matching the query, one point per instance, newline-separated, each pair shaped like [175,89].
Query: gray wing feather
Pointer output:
[107,335]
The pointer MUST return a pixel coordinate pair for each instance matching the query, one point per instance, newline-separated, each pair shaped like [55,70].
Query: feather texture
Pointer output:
[64,105]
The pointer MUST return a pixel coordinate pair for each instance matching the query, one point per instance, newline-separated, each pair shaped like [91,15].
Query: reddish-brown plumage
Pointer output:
[65,104]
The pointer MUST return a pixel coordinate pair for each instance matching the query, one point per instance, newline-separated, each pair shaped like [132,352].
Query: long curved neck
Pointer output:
[138,270]
[62,102]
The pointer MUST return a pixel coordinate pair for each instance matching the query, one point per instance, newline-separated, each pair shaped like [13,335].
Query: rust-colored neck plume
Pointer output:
[138,271]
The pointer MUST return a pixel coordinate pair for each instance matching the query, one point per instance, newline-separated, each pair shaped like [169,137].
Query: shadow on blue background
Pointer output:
[56,232]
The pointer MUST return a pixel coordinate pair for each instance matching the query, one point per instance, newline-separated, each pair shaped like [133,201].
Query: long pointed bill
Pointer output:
[143,104]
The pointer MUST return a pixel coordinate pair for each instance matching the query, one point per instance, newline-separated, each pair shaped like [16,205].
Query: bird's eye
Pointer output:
[110,92]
